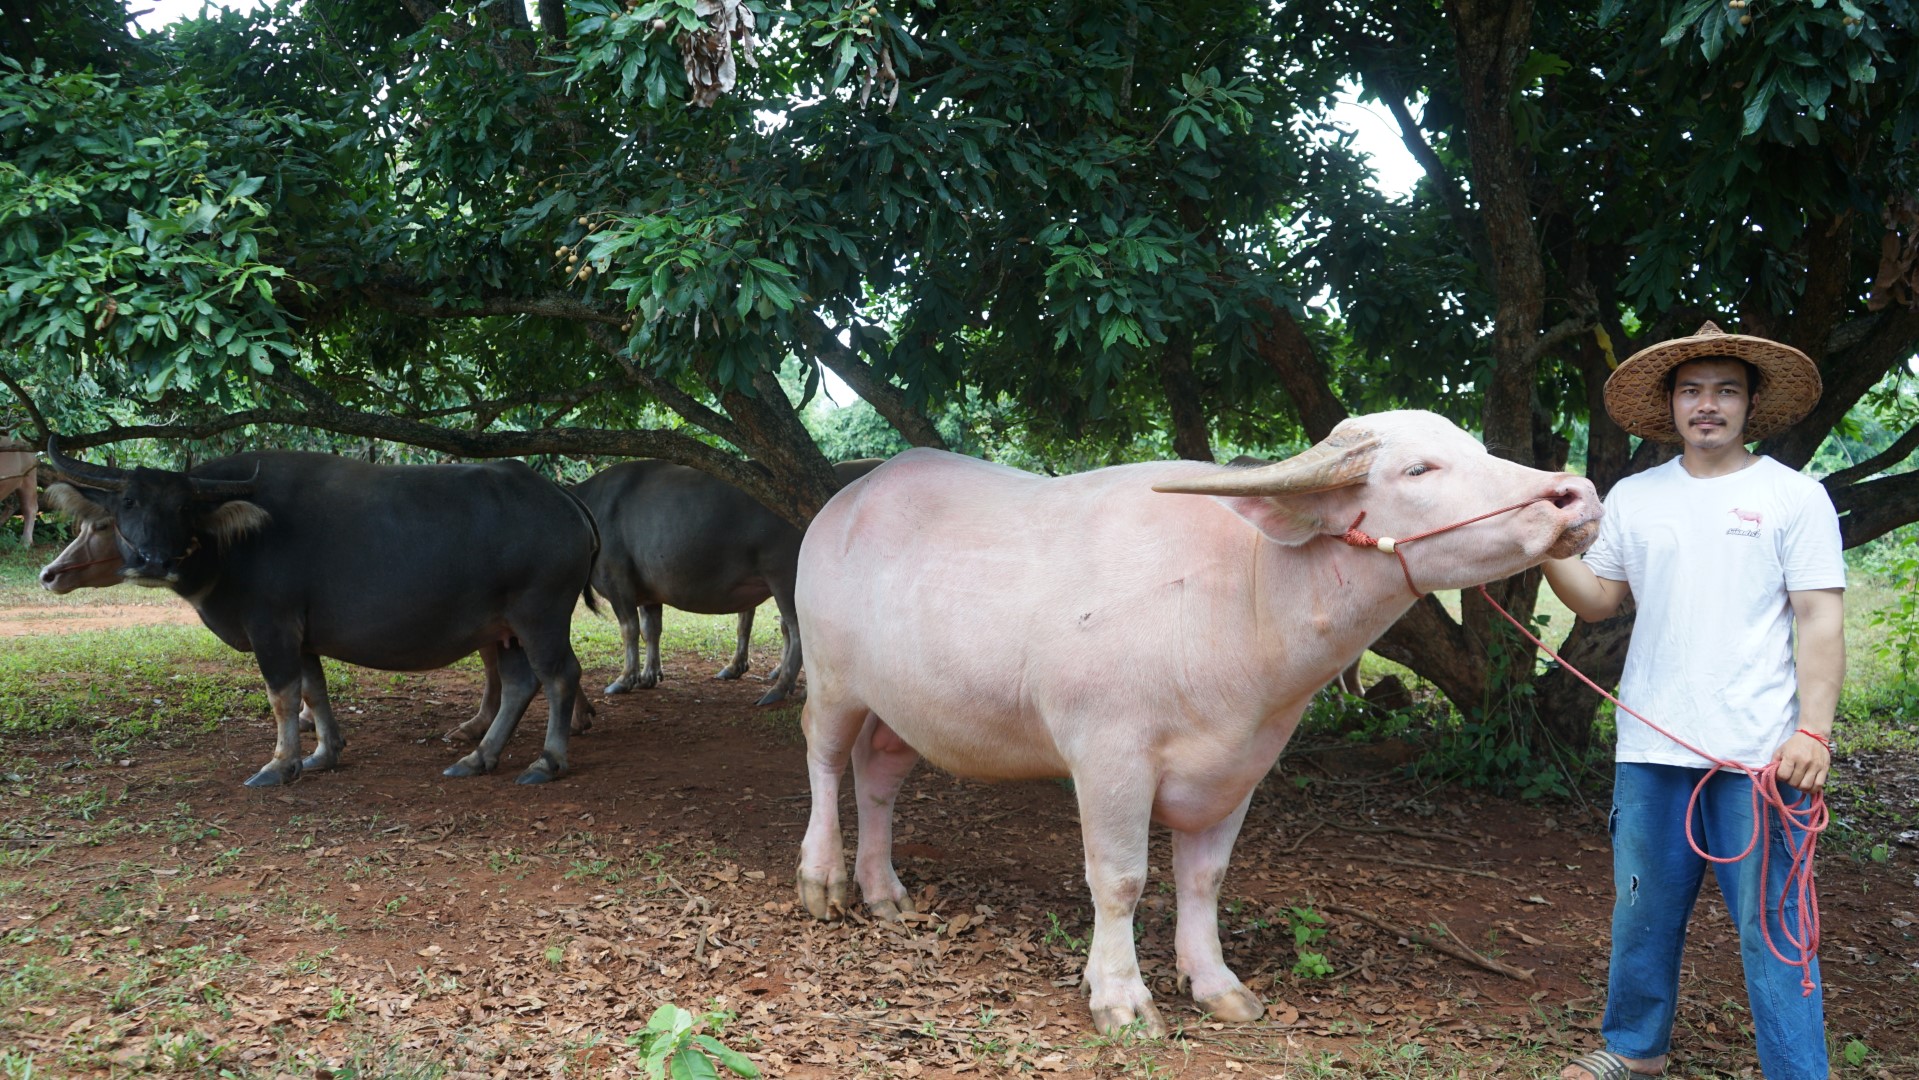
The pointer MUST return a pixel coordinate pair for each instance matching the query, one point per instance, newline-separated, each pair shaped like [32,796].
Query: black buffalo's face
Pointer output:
[158,519]
[162,519]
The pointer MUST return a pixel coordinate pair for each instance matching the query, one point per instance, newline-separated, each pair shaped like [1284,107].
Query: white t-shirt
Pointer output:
[1710,563]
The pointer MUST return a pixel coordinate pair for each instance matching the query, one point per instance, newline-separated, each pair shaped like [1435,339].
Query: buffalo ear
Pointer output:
[234,520]
[81,504]
[1283,520]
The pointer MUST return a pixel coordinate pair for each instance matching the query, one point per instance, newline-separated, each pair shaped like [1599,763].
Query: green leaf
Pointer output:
[736,1063]
[690,1064]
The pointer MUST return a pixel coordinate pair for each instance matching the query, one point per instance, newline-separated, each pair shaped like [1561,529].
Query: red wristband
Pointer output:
[1818,738]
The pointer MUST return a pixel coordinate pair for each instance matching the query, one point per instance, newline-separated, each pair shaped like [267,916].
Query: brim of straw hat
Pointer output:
[1789,384]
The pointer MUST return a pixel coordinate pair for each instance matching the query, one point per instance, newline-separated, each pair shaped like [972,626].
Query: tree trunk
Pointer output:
[1285,349]
[773,436]
[1190,437]
[1438,649]
[1566,705]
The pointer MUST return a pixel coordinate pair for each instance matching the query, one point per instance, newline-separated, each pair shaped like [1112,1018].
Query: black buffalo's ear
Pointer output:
[234,520]
[79,503]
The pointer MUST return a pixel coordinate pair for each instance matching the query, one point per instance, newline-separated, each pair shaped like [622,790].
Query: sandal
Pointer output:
[1605,1065]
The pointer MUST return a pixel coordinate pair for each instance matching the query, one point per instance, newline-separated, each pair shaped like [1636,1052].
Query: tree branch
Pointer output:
[1901,448]
[197,429]
[664,391]
[1283,345]
[404,298]
[26,402]
[1445,188]
[1872,509]
[886,399]
[322,412]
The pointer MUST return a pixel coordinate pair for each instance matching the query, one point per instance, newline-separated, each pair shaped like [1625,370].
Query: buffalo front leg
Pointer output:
[742,639]
[881,760]
[1116,813]
[1199,866]
[282,670]
[517,685]
[29,507]
[830,735]
[329,740]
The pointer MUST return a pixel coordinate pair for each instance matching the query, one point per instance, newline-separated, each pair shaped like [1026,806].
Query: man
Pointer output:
[1729,556]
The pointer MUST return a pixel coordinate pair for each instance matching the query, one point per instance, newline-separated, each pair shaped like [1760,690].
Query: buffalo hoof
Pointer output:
[729,672]
[1120,1020]
[890,910]
[772,697]
[316,762]
[542,771]
[470,765]
[1235,1006]
[618,686]
[275,775]
[464,733]
[823,900]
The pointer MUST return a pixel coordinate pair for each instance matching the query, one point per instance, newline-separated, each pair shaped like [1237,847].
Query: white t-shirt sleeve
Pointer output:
[1811,553]
[1606,558]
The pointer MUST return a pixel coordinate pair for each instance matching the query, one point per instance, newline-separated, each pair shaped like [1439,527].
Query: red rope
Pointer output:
[1808,813]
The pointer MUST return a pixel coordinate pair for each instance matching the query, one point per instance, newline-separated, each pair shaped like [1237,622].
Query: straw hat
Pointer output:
[1789,386]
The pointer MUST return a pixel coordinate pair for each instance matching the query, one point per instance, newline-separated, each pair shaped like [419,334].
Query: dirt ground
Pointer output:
[379,920]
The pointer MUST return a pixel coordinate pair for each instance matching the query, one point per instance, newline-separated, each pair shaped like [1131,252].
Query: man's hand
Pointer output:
[1803,762]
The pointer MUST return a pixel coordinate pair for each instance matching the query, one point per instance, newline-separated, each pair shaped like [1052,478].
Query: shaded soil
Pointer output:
[379,912]
[68,618]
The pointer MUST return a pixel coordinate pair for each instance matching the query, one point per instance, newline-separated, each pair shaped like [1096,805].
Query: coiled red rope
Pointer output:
[1808,814]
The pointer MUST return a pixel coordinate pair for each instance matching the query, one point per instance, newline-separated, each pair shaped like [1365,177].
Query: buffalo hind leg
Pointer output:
[1199,866]
[881,761]
[742,639]
[474,729]
[517,685]
[788,673]
[830,736]
[1116,814]
[550,655]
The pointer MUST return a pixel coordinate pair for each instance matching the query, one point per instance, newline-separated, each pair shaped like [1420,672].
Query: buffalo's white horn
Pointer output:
[1342,459]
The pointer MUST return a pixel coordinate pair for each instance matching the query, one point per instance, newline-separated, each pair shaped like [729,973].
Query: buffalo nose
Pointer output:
[1576,495]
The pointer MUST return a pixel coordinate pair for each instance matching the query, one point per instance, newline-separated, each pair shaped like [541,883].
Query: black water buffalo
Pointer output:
[678,536]
[92,561]
[296,556]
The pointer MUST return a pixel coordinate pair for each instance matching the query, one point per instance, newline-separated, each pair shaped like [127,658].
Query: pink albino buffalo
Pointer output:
[1157,648]
[18,463]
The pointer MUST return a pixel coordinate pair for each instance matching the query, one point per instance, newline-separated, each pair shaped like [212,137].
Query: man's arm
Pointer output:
[1590,596]
[1820,615]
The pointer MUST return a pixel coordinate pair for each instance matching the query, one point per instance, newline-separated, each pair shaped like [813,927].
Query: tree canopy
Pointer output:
[595,228]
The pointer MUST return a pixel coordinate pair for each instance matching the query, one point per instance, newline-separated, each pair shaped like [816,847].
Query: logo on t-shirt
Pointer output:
[1749,522]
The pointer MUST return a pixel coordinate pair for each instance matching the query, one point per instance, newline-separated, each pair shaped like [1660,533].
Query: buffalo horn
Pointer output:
[222,490]
[95,476]
[1340,460]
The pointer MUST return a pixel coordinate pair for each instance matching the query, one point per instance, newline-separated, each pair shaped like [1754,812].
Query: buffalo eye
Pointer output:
[1419,469]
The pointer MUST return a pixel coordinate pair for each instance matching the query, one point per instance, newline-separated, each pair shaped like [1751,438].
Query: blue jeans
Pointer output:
[1656,878]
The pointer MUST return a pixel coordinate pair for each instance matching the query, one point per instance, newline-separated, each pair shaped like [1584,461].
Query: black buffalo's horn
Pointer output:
[222,490]
[98,476]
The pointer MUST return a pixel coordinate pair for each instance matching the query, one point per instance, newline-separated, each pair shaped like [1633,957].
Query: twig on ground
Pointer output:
[1302,837]
[1449,943]
[1415,864]
[1418,834]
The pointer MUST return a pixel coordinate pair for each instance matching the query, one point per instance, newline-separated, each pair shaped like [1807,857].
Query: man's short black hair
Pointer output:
[1753,374]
